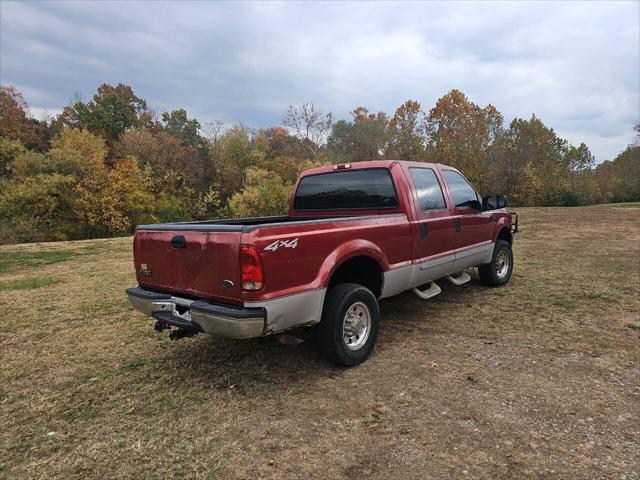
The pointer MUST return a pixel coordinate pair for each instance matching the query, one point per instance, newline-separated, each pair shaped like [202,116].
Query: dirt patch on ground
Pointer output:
[538,379]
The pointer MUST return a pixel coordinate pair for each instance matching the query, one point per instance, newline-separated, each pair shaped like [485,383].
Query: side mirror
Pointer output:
[494,202]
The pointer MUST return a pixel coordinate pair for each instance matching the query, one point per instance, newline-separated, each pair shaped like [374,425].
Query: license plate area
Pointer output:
[178,307]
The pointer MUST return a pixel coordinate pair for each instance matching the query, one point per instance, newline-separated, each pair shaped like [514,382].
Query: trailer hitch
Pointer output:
[179,333]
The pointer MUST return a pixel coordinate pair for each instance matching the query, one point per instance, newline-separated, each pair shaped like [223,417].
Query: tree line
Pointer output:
[102,166]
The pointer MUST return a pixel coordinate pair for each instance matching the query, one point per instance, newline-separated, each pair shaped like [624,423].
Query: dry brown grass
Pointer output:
[539,379]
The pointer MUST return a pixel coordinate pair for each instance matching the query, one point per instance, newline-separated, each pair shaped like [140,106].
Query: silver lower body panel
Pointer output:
[405,278]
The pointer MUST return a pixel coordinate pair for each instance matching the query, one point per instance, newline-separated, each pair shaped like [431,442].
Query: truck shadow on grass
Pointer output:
[268,363]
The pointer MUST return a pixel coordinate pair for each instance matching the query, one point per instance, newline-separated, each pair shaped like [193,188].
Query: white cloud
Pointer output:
[575,65]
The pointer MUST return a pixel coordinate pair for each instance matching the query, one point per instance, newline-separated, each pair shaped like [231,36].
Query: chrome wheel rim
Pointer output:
[356,326]
[502,264]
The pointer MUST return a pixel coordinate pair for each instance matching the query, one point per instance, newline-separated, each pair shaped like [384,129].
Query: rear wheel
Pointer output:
[349,327]
[498,272]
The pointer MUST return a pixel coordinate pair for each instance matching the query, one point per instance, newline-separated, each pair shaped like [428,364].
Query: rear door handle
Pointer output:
[456,222]
[424,230]
[178,242]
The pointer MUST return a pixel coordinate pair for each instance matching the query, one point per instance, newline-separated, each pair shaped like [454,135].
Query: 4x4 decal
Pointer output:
[272,247]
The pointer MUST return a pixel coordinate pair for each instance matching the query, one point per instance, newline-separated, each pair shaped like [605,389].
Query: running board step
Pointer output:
[461,279]
[430,292]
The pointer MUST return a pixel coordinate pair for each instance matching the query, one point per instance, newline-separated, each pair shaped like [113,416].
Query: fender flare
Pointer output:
[348,250]
[500,226]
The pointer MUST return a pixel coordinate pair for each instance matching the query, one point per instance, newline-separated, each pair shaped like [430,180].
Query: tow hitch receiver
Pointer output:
[177,333]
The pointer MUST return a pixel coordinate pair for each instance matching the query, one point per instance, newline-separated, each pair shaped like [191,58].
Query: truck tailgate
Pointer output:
[196,263]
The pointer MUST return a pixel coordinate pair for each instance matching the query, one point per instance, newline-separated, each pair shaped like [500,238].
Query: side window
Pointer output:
[459,188]
[429,190]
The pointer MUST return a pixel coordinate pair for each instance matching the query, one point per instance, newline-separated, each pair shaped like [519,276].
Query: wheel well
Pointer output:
[362,270]
[505,234]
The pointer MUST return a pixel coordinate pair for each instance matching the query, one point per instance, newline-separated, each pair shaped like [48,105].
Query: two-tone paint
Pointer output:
[301,252]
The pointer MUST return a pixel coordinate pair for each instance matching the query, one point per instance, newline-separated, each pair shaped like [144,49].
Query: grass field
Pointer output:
[538,379]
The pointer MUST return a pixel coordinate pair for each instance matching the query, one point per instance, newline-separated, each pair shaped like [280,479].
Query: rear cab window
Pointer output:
[461,191]
[360,189]
[428,188]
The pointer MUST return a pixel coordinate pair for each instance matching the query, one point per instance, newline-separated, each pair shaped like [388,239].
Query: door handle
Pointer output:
[178,242]
[456,222]
[424,230]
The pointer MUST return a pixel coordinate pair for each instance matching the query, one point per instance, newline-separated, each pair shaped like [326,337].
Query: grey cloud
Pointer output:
[575,65]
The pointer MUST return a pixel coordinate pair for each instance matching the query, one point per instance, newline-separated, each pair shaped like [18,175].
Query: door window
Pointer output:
[429,191]
[460,190]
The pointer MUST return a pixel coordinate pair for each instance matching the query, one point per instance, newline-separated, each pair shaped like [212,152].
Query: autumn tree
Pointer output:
[459,133]
[627,175]
[78,152]
[407,132]
[16,124]
[113,203]
[578,159]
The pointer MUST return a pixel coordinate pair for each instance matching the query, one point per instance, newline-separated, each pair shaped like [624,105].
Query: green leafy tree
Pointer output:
[111,111]
[529,160]
[237,154]
[179,124]
[37,208]
[366,137]
[9,150]
[264,193]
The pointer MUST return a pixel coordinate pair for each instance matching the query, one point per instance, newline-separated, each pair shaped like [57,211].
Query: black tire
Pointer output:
[339,300]
[490,274]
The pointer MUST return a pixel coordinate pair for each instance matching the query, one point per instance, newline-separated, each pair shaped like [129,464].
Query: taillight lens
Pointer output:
[251,266]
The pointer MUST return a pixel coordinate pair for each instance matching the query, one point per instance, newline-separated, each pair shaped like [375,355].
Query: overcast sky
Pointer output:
[575,65]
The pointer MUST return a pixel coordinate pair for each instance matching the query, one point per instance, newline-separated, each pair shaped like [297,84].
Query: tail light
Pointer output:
[251,266]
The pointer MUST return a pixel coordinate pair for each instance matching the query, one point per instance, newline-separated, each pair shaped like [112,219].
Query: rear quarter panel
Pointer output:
[321,247]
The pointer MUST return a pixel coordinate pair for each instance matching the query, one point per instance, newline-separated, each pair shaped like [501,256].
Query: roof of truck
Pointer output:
[369,164]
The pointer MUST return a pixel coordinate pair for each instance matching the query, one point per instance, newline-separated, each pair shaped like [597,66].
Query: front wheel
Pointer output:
[349,327]
[498,272]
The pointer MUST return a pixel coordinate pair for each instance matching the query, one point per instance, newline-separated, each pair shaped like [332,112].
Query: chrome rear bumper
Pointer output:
[199,315]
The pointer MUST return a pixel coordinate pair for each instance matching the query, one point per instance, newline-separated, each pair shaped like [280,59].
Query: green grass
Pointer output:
[28,283]
[14,261]
[620,205]
[469,380]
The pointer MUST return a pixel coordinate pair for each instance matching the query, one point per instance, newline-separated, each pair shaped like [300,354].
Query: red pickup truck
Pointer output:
[355,233]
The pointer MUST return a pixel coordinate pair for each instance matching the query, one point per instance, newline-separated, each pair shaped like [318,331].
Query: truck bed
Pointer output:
[201,259]
[247,224]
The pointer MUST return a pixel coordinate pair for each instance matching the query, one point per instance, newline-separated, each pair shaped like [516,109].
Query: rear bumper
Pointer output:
[201,316]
